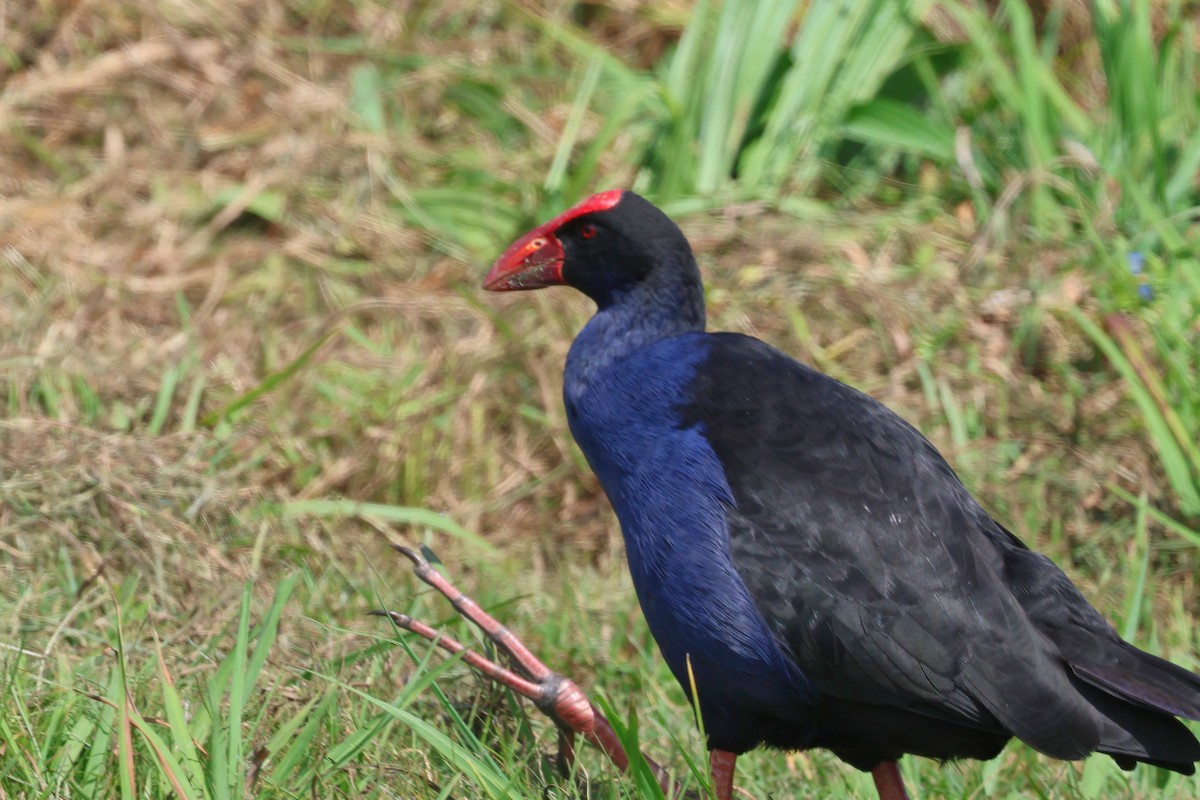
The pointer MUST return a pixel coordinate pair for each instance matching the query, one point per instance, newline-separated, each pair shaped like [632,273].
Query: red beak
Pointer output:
[536,259]
[531,262]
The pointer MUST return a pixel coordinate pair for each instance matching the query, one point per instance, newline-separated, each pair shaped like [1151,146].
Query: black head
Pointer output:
[609,242]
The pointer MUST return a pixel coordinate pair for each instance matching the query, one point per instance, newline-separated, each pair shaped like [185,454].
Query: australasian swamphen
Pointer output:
[807,554]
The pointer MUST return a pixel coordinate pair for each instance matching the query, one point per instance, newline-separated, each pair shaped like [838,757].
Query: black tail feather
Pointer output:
[1138,734]
[1147,680]
[1140,705]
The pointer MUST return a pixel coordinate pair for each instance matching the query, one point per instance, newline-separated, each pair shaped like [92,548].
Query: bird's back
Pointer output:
[891,587]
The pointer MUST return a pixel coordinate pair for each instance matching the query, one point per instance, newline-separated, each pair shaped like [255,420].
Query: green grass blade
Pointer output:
[126,770]
[639,773]
[334,509]
[1189,535]
[169,766]
[1169,450]
[366,98]
[269,383]
[890,124]
[1137,595]
[841,56]
[191,410]
[239,688]
[484,774]
[266,631]
[570,135]
[299,752]
[181,736]
[166,393]
[95,769]
[630,98]
[349,748]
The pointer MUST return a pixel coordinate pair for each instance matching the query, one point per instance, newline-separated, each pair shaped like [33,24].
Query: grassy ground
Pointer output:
[242,346]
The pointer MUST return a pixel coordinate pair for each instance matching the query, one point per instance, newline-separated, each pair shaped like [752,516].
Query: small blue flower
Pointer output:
[1137,266]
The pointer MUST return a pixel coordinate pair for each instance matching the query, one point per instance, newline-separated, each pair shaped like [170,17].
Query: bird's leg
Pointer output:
[720,765]
[888,782]
[566,751]
[554,695]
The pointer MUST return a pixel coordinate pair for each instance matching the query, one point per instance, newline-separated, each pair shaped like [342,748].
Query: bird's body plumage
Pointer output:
[812,562]
[672,499]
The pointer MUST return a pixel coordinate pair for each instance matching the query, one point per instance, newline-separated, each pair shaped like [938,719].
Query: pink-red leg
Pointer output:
[888,782]
[554,695]
[721,764]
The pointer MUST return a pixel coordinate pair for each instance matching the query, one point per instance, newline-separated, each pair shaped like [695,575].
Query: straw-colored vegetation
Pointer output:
[242,345]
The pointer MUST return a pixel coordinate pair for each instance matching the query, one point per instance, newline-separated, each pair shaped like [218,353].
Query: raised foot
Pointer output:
[555,695]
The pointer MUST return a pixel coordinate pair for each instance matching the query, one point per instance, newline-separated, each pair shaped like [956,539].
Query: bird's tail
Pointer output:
[1140,696]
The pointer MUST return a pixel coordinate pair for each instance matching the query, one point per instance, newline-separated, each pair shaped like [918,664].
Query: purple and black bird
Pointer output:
[805,555]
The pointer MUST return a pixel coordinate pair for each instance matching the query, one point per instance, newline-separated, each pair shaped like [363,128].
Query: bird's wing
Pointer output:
[877,571]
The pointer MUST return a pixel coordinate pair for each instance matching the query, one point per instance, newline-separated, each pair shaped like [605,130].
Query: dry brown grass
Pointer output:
[163,157]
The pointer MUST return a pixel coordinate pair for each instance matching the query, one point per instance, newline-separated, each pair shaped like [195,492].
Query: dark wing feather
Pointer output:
[878,571]
[1090,645]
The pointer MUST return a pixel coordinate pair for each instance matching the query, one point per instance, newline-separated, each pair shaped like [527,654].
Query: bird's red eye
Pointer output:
[588,231]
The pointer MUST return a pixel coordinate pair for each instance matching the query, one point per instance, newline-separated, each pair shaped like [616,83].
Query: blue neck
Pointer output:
[668,302]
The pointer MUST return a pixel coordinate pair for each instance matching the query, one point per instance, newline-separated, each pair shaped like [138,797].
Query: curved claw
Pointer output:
[401,620]
[412,555]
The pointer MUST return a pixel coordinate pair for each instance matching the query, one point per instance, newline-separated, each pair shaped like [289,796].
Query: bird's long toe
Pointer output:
[555,695]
